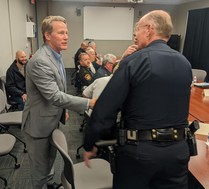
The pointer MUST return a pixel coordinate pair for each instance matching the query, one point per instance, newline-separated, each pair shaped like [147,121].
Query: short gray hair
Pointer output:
[108,58]
[81,55]
[161,22]
[47,24]
[85,42]
[91,43]
[89,49]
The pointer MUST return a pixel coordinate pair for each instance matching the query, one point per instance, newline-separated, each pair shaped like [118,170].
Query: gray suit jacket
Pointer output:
[46,97]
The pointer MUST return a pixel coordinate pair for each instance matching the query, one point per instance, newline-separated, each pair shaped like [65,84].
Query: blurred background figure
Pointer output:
[109,60]
[86,76]
[92,55]
[83,47]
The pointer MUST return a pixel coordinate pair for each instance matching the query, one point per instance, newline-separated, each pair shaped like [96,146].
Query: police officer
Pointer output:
[152,89]
[85,73]
[83,47]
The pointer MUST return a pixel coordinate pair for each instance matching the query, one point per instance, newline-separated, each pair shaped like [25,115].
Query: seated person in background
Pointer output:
[82,48]
[107,66]
[93,91]
[85,74]
[15,80]
[92,44]
[95,62]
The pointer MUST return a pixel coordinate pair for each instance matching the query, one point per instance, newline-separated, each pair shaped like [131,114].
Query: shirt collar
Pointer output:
[58,56]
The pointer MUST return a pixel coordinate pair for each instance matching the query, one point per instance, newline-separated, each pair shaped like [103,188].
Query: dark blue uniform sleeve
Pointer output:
[85,76]
[107,106]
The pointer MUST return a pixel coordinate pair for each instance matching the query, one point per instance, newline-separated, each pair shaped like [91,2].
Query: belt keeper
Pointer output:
[175,132]
[154,134]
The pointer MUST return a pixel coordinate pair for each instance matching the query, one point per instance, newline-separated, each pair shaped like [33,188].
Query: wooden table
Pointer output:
[199,106]
[199,165]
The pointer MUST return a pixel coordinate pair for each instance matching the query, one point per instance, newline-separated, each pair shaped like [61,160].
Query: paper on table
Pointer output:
[203,130]
[206,92]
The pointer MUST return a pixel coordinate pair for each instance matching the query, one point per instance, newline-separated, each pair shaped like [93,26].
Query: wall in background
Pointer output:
[5,38]
[13,30]
[119,19]
[69,10]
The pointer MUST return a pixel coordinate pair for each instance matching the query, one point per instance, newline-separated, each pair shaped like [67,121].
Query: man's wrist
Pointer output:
[87,106]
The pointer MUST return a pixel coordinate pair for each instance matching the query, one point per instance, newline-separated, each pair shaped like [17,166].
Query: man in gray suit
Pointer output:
[47,101]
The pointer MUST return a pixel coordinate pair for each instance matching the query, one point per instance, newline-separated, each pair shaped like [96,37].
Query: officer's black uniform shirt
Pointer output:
[152,89]
[86,76]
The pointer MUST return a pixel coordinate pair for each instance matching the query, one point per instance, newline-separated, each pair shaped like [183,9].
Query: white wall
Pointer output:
[5,39]
[13,30]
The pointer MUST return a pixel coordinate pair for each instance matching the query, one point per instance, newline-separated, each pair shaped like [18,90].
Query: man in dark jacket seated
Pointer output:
[15,80]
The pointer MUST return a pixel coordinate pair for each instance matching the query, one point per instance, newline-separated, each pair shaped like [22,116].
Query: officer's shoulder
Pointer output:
[88,76]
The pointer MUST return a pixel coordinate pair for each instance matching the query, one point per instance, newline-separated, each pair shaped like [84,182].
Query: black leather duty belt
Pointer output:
[158,135]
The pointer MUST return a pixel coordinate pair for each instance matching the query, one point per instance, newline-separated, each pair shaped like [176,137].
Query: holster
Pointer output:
[191,141]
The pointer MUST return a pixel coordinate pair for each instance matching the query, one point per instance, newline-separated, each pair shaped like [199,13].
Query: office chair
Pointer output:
[7,142]
[9,119]
[78,83]
[11,105]
[73,73]
[200,74]
[74,76]
[78,176]
[84,122]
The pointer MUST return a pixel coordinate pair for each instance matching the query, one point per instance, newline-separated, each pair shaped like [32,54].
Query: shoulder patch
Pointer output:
[87,77]
[116,67]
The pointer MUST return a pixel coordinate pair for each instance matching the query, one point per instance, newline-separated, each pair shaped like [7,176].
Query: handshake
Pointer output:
[92,103]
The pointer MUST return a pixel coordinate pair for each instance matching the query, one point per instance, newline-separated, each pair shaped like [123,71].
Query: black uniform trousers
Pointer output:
[152,165]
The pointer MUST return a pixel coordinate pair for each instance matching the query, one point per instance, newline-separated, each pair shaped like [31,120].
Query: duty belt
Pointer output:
[158,135]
